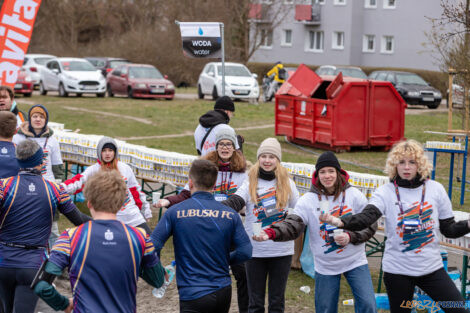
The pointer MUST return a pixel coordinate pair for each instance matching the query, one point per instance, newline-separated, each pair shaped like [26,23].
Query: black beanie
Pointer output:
[109,145]
[224,103]
[327,158]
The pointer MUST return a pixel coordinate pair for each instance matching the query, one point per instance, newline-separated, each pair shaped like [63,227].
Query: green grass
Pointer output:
[179,116]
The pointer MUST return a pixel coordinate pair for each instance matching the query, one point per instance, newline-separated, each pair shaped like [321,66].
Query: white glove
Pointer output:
[330,219]
[162,203]
[342,239]
[261,237]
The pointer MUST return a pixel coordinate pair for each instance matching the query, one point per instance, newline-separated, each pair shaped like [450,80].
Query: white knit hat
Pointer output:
[270,145]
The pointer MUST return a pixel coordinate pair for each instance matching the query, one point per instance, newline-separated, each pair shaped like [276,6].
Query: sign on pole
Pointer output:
[16,26]
[201,40]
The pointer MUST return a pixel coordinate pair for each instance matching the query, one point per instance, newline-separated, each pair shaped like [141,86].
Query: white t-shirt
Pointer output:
[265,211]
[209,144]
[408,250]
[51,149]
[330,258]
[226,185]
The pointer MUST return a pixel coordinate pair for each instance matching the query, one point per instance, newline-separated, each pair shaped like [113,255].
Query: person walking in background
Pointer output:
[52,169]
[267,193]
[104,257]
[8,163]
[28,202]
[8,103]
[336,252]
[207,237]
[414,208]
[211,123]
[232,165]
[135,207]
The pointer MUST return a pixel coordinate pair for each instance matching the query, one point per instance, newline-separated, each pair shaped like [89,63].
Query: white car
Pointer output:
[72,75]
[240,83]
[33,63]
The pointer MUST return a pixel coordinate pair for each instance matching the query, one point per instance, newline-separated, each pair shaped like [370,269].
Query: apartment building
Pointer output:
[385,33]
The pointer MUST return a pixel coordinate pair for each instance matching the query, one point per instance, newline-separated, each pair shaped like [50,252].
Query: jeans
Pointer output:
[216,302]
[327,291]
[276,270]
[438,286]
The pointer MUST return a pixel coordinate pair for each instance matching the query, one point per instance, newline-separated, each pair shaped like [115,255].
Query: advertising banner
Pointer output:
[201,40]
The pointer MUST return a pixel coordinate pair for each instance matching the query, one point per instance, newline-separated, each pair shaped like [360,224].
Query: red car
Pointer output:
[24,84]
[139,81]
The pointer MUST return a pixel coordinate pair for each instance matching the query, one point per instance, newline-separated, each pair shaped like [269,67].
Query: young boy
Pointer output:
[105,257]
[8,163]
[204,231]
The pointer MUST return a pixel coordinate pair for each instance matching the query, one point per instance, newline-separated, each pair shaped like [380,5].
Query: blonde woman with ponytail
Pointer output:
[267,193]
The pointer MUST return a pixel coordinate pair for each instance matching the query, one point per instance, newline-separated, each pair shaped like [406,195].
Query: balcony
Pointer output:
[308,14]
[259,13]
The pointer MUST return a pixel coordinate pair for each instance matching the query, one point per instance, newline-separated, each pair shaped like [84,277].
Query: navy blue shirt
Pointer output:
[204,231]
[8,163]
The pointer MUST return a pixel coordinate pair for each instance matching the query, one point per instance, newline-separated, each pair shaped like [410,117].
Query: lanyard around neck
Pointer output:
[400,205]
[224,184]
[341,207]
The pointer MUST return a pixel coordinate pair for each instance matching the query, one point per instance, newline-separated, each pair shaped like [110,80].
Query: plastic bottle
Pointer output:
[381,299]
[160,292]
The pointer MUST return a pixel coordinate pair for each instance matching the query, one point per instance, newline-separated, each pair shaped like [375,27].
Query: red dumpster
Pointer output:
[338,113]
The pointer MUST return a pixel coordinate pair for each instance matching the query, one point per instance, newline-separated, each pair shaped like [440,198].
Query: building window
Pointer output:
[314,41]
[339,2]
[286,37]
[368,43]
[389,4]
[267,1]
[266,38]
[388,44]
[319,1]
[288,1]
[370,4]
[338,40]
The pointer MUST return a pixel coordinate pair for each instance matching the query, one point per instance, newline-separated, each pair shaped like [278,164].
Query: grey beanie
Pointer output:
[228,134]
[270,145]
[103,141]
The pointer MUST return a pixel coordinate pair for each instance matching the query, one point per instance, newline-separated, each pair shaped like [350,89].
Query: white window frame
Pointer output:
[334,42]
[367,4]
[322,2]
[386,5]
[307,41]
[288,1]
[284,43]
[383,44]
[339,2]
[365,43]
[263,42]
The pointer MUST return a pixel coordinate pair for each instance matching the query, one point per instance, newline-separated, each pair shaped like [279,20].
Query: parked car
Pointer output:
[33,63]
[24,83]
[413,89]
[139,81]
[349,71]
[106,64]
[240,83]
[72,75]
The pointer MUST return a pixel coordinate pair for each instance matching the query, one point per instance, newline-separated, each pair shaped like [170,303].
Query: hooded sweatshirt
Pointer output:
[135,202]
[212,121]
[52,167]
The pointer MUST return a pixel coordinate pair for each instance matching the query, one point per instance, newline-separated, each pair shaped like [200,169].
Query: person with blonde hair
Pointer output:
[415,208]
[268,192]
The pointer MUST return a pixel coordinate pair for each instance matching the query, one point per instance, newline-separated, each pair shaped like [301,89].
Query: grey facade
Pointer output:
[389,34]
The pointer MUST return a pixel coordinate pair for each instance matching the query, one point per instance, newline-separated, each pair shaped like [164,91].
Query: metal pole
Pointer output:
[223,58]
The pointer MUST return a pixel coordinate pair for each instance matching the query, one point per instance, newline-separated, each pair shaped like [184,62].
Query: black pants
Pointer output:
[239,272]
[276,270]
[216,302]
[15,294]
[437,285]
[146,227]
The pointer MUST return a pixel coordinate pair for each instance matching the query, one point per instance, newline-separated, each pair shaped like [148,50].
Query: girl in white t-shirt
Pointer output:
[336,252]
[267,193]
[415,208]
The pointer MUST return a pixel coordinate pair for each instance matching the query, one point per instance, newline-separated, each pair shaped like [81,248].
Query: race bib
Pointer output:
[219,197]
[411,226]
[269,206]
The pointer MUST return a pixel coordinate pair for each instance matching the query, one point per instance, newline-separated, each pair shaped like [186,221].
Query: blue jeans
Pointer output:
[327,291]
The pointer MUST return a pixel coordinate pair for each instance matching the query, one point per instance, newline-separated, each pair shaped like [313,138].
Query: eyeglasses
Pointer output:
[225,145]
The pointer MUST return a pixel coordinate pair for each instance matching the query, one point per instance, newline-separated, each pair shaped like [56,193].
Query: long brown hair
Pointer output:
[237,160]
[113,165]
[339,185]
[283,189]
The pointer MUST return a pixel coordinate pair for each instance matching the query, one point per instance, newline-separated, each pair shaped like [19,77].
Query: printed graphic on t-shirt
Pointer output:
[224,190]
[326,231]
[415,231]
[265,209]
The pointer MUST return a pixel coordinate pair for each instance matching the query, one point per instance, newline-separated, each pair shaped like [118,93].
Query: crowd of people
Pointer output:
[231,215]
